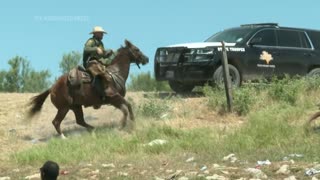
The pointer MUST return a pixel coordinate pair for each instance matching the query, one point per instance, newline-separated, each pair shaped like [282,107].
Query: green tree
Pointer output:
[144,82]
[13,77]
[36,81]
[2,79]
[69,61]
[22,78]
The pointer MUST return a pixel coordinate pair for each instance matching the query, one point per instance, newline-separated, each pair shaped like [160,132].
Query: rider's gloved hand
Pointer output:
[99,51]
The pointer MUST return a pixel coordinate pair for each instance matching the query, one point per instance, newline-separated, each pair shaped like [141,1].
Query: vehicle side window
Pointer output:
[315,38]
[304,41]
[288,38]
[265,38]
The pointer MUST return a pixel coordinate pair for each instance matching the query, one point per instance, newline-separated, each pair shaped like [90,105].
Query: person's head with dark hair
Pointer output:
[49,171]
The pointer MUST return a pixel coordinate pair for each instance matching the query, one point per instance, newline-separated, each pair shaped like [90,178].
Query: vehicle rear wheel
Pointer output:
[314,72]
[234,76]
[179,87]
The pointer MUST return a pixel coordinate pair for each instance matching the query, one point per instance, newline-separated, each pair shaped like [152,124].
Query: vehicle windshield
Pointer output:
[235,35]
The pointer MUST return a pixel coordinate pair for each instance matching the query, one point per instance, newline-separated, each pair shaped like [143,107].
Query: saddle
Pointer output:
[77,76]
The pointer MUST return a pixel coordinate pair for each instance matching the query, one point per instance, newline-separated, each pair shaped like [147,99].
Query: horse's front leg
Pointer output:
[130,109]
[119,102]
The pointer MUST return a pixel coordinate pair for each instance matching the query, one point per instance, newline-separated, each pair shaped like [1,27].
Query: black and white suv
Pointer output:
[254,51]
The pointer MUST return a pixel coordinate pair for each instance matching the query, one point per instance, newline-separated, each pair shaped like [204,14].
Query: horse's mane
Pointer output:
[118,53]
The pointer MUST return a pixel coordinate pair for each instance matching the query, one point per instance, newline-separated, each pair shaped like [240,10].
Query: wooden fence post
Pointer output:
[226,77]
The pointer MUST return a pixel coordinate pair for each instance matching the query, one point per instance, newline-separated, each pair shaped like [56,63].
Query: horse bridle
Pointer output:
[133,55]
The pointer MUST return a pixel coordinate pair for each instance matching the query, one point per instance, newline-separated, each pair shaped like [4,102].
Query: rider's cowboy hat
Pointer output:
[98,29]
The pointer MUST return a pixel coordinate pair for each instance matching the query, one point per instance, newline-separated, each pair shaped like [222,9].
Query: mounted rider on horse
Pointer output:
[96,57]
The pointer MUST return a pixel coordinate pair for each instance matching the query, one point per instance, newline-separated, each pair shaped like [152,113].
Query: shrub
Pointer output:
[154,108]
[311,83]
[216,98]
[286,89]
[144,82]
[243,100]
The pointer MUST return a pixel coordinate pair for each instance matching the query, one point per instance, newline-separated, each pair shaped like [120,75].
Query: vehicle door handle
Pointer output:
[308,54]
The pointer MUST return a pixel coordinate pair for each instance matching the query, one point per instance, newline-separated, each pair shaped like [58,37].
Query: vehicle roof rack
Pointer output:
[260,24]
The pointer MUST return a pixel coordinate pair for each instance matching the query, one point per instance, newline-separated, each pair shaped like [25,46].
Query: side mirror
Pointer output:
[255,40]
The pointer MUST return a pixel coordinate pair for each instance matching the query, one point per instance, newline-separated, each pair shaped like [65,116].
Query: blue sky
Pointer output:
[42,31]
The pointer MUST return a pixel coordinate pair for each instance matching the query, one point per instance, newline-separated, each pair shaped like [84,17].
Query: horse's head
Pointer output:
[137,56]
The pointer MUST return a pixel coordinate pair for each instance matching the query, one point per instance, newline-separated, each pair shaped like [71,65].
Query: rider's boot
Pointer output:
[105,81]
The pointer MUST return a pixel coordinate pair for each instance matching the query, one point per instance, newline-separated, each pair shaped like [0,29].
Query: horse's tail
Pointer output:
[37,102]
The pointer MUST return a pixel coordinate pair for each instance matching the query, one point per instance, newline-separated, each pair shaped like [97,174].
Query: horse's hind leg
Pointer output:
[58,119]
[78,112]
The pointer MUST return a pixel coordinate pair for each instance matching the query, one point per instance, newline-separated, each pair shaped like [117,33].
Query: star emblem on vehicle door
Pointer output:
[265,56]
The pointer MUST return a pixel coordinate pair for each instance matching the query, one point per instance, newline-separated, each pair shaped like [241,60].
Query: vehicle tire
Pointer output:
[179,87]
[314,72]
[234,76]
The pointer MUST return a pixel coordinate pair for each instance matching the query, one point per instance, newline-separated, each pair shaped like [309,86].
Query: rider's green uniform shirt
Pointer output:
[90,51]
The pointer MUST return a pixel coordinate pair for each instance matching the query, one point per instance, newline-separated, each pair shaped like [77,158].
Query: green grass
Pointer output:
[265,136]
[273,128]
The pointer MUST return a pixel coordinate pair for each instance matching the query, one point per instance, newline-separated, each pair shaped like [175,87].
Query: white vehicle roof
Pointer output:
[201,44]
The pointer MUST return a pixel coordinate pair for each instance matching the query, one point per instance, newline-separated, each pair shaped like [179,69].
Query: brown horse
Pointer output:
[65,98]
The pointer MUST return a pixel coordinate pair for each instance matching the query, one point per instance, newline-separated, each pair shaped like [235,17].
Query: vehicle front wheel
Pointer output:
[314,72]
[234,76]
[179,87]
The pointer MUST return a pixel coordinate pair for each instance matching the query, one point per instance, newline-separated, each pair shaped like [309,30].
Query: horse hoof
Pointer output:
[122,127]
[62,136]
[93,134]
[92,129]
